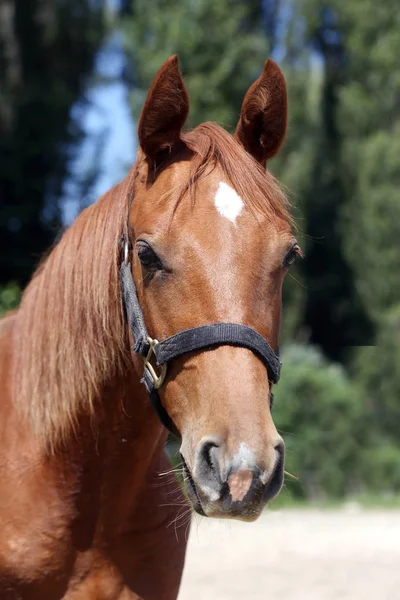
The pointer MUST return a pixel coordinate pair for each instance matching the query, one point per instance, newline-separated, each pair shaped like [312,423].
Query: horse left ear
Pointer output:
[165,110]
[263,118]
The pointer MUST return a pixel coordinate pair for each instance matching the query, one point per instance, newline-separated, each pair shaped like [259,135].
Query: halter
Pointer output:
[204,337]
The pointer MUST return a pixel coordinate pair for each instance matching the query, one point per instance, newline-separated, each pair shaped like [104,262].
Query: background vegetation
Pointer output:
[338,403]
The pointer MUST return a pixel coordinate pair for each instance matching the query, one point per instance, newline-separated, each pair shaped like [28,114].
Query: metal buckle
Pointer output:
[126,252]
[158,380]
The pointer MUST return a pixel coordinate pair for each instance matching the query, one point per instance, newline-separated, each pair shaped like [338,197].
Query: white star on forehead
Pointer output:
[227,202]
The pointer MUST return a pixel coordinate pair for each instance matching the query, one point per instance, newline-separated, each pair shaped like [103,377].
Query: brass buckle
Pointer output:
[158,380]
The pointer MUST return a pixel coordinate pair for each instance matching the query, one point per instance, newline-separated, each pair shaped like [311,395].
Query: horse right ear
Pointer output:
[164,112]
[263,118]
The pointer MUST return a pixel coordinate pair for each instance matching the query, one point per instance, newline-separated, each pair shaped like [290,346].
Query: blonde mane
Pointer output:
[70,336]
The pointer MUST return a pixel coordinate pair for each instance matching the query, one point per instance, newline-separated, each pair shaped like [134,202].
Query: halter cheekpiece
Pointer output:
[204,337]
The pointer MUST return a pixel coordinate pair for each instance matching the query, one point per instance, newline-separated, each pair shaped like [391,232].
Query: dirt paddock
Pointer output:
[302,554]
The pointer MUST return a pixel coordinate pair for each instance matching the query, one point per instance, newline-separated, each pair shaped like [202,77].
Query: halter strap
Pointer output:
[219,334]
[202,338]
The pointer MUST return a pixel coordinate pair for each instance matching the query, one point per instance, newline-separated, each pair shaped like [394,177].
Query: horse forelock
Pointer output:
[213,146]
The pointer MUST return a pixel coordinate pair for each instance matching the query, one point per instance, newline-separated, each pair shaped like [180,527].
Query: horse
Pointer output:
[202,234]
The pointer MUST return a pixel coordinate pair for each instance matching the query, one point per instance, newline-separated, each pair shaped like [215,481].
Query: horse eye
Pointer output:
[291,256]
[147,256]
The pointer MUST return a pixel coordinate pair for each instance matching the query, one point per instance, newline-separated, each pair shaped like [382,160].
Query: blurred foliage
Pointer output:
[336,435]
[47,51]
[379,469]
[10,295]
[320,414]
[377,368]
[369,116]
[374,222]
[334,314]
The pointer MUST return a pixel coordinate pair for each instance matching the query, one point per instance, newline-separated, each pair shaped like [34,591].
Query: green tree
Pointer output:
[321,415]
[370,124]
[335,314]
[46,54]
[377,368]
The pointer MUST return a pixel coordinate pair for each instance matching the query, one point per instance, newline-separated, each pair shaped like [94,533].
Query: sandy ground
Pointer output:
[304,554]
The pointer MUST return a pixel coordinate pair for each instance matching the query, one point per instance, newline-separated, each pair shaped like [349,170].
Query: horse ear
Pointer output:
[165,110]
[263,118]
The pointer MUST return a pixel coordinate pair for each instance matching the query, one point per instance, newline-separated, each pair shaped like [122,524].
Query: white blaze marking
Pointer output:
[244,458]
[241,477]
[227,202]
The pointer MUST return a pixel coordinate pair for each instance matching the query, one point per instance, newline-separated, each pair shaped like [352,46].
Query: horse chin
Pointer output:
[220,510]
[215,510]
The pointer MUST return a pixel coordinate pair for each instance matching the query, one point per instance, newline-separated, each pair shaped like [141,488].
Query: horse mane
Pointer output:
[70,336]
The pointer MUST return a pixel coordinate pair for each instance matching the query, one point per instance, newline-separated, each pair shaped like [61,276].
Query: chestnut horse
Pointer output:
[84,513]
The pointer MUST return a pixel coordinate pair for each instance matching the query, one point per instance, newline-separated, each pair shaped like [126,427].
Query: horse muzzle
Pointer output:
[233,487]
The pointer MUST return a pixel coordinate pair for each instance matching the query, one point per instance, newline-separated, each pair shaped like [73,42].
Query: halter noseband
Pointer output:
[203,338]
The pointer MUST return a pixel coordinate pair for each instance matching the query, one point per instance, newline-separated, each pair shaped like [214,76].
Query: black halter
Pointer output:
[203,337]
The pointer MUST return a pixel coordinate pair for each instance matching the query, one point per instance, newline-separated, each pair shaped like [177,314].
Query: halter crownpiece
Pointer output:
[204,337]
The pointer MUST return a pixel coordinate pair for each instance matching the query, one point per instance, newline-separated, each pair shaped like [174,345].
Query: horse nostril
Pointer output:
[280,450]
[208,459]
[276,480]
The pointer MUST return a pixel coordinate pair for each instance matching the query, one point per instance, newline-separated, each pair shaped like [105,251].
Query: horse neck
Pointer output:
[117,455]
[106,459]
